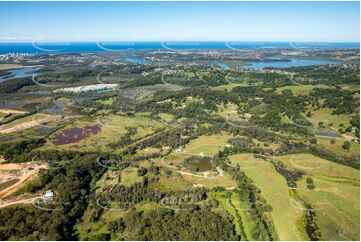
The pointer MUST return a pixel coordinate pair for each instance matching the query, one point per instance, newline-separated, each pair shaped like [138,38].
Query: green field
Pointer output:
[13,66]
[112,129]
[337,146]
[301,89]
[107,101]
[207,145]
[225,201]
[274,189]
[188,178]
[336,195]
[238,209]
[325,115]
[129,176]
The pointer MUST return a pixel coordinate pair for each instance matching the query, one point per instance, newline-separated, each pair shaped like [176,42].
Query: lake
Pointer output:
[285,64]
[221,64]
[135,60]
[23,72]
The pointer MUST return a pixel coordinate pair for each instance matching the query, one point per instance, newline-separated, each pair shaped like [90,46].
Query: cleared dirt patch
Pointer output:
[21,172]
[10,167]
[23,199]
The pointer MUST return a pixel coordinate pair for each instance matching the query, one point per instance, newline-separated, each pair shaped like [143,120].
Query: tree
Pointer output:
[142,171]
[310,184]
[346,145]
[313,141]
[348,129]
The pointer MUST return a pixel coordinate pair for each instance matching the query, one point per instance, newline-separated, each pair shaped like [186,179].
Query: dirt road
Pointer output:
[27,200]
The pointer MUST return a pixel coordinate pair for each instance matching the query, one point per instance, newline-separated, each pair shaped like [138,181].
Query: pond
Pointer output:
[198,164]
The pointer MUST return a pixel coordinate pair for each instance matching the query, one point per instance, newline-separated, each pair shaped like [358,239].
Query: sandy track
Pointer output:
[12,111]
[19,200]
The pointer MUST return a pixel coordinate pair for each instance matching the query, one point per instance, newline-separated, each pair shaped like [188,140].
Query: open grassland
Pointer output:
[171,182]
[274,189]
[13,66]
[166,117]
[350,87]
[229,86]
[206,145]
[300,89]
[129,176]
[263,145]
[185,179]
[224,181]
[175,159]
[112,128]
[336,196]
[148,151]
[325,115]
[129,121]
[337,146]
[233,118]
[107,101]
[28,122]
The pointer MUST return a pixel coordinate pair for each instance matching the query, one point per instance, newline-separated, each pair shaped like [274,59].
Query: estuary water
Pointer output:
[285,64]
[17,73]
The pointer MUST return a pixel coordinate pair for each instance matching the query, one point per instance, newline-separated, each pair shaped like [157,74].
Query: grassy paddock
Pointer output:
[274,189]
[300,90]
[336,196]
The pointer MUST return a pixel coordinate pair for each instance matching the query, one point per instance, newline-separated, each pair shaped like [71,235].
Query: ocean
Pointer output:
[77,47]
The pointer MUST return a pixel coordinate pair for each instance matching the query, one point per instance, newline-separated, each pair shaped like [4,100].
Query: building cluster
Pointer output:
[15,57]
[88,88]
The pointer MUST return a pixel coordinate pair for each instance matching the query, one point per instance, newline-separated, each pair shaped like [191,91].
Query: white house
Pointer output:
[48,196]
[179,149]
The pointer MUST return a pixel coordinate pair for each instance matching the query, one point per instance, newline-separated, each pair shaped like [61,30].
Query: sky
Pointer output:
[182,21]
